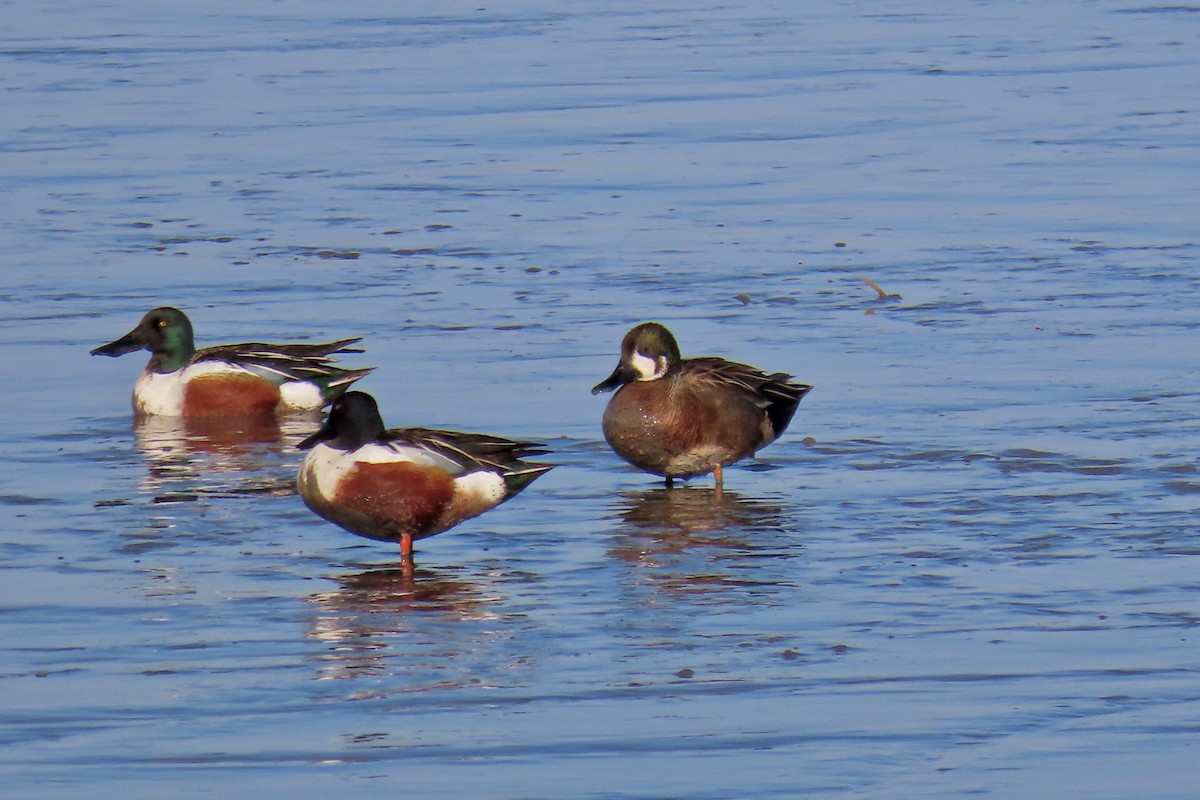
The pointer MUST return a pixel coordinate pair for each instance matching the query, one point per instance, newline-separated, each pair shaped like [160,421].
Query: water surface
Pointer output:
[968,567]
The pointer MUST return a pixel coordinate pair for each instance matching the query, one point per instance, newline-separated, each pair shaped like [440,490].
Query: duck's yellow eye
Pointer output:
[162,323]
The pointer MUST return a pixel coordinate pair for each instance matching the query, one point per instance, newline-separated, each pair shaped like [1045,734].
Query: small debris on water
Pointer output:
[882,294]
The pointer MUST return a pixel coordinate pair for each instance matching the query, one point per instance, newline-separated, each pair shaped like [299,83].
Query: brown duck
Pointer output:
[680,418]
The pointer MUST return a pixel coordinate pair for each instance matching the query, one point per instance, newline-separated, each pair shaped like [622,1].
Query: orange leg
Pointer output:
[719,475]
[406,553]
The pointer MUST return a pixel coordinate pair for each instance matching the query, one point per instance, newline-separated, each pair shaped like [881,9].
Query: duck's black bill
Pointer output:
[325,434]
[620,376]
[126,344]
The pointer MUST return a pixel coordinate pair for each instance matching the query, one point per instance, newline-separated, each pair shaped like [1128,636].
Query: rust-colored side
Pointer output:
[396,497]
[217,395]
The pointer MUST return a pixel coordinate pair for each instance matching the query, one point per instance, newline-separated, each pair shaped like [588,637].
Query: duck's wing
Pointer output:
[290,362]
[776,393]
[472,451]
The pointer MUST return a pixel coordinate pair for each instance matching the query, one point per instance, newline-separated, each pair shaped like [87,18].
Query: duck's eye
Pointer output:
[162,323]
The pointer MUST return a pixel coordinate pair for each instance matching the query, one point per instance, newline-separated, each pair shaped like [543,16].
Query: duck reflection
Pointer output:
[692,511]
[697,540]
[198,455]
[362,616]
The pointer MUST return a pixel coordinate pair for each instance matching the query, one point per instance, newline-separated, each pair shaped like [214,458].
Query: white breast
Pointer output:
[159,393]
[323,469]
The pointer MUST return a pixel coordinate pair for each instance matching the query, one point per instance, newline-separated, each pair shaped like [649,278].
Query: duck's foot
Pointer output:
[670,482]
[719,476]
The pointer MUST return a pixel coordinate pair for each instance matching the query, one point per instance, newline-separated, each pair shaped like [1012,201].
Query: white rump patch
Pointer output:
[301,395]
[486,486]
[648,369]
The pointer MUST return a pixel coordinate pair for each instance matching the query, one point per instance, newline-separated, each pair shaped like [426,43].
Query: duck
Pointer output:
[405,484]
[685,417]
[248,379]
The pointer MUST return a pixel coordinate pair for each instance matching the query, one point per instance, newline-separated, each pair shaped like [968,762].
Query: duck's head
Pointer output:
[166,332]
[648,352]
[353,421]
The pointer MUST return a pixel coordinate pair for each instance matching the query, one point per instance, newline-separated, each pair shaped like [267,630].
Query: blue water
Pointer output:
[969,568]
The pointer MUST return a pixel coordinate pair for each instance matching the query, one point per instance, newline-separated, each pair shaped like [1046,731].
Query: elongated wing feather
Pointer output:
[299,362]
[472,450]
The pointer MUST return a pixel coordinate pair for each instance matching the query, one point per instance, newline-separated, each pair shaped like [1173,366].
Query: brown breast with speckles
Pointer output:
[669,427]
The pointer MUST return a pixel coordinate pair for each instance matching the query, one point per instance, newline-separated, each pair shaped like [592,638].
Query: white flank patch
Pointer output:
[485,485]
[162,393]
[648,369]
[301,395]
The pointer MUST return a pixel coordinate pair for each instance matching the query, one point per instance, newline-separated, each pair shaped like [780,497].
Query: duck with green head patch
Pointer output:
[251,378]
[680,418]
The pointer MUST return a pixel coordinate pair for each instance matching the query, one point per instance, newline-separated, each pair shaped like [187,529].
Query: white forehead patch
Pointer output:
[647,368]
